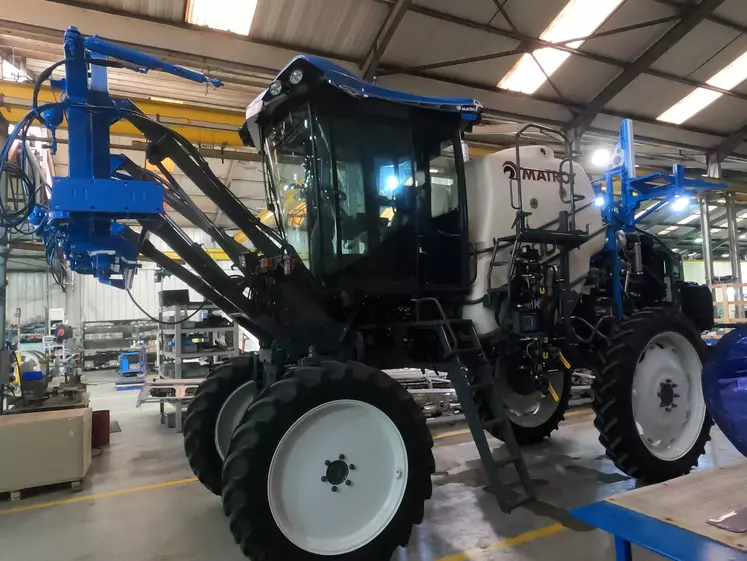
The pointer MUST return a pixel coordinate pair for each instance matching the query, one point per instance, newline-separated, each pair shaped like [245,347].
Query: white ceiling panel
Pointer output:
[531,17]
[480,11]
[580,79]
[423,40]
[629,45]
[338,26]
[486,72]
[696,49]
[649,96]
[724,115]
[733,10]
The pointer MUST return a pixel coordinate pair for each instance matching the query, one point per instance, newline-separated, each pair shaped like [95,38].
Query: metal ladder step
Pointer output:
[508,498]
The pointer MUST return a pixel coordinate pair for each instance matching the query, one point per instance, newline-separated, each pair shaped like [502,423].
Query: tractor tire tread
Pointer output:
[612,391]
[253,444]
[199,422]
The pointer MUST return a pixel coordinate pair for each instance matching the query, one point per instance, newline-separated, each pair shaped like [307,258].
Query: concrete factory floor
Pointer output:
[140,502]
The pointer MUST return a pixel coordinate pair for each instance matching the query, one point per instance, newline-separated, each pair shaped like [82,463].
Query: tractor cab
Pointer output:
[367,184]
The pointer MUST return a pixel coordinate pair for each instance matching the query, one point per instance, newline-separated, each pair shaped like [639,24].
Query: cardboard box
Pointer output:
[44,448]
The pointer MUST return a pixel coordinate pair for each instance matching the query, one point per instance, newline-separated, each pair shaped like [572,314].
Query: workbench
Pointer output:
[671,518]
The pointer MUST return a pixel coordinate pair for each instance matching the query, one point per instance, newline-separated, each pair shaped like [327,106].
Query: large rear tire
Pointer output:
[533,416]
[648,398]
[332,462]
[213,414]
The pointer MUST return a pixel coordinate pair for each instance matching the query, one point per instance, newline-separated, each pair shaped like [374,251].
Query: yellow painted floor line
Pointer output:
[579,413]
[526,537]
[452,433]
[92,497]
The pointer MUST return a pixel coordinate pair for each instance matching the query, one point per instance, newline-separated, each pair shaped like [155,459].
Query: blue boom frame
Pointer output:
[85,205]
[619,213]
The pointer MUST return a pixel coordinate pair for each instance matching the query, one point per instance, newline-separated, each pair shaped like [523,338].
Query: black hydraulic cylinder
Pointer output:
[196,283]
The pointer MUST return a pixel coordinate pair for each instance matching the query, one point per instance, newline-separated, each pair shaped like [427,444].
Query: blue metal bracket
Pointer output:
[619,213]
[85,205]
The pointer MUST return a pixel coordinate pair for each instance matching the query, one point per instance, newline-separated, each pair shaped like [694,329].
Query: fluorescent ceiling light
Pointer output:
[166,100]
[669,230]
[693,216]
[698,240]
[579,18]
[227,15]
[727,79]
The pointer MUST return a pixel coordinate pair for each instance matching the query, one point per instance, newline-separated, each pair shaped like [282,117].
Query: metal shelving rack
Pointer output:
[104,339]
[179,356]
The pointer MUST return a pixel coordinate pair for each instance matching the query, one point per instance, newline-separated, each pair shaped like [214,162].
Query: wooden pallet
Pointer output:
[73,486]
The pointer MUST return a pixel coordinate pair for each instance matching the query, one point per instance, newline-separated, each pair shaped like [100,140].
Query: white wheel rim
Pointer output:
[669,369]
[534,409]
[230,415]
[306,509]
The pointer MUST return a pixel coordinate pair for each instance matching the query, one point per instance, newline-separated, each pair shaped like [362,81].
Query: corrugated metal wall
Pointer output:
[98,302]
[32,292]
[90,300]
[86,299]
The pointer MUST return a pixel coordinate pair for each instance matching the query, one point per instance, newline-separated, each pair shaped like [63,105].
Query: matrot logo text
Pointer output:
[553,175]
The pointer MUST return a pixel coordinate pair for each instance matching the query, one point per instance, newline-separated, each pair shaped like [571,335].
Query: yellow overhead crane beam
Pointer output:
[197,124]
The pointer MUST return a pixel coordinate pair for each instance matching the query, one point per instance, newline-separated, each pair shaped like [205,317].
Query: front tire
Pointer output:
[648,398]
[333,462]
[213,414]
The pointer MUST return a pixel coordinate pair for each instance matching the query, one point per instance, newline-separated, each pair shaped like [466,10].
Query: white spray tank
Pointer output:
[545,193]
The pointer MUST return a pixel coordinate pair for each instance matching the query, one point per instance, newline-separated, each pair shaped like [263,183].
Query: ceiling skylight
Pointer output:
[727,79]
[579,18]
[227,15]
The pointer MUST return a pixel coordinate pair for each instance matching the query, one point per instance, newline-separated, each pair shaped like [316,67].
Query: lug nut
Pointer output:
[334,488]
[324,479]
[352,466]
[327,462]
[676,395]
[342,456]
[348,483]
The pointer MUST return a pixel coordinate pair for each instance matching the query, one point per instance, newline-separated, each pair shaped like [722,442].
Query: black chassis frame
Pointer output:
[289,313]
[286,312]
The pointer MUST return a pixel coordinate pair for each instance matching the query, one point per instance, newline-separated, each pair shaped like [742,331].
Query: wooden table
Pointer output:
[671,518]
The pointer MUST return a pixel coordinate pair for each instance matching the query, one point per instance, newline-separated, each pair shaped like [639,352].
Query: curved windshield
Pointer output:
[288,146]
[368,198]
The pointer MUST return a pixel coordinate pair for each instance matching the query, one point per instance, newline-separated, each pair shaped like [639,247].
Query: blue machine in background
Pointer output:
[134,362]
[622,213]
[725,387]
[85,205]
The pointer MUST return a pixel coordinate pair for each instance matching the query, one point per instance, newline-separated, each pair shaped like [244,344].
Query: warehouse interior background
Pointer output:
[676,68]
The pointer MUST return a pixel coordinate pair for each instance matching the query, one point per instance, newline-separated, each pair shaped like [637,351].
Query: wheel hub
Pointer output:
[338,472]
[667,395]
